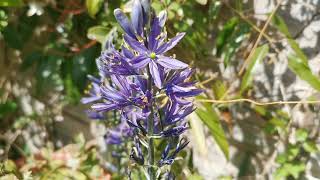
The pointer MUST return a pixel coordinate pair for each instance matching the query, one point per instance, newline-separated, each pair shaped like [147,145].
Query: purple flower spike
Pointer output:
[132,80]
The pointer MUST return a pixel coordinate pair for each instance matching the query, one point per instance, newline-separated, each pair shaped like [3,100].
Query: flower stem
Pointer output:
[150,132]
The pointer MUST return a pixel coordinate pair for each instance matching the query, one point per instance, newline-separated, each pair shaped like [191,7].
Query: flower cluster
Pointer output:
[148,89]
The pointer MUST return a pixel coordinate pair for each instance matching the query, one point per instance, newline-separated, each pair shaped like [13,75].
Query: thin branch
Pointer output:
[207,80]
[246,62]
[250,23]
[255,102]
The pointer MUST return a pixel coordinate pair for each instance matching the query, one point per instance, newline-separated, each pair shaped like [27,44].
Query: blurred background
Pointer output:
[246,53]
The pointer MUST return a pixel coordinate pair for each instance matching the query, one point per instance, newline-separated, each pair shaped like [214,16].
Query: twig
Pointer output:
[86,46]
[250,23]
[255,102]
[206,81]
[259,38]
[306,25]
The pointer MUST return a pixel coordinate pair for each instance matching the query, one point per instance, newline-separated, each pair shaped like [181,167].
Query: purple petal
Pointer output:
[170,44]
[146,8]
[179,100]
[122,83]
[86,100]
[171,63]
[94,115]
[135,45]
[166,151]
[176,131]
[103,107]
[127,53]
[155,32]
[154,70]
[190,93]
[162,18]
[140,62]
[136,17]
[124,22]
[93,79]
[111,94]
[181,76]
[182,144]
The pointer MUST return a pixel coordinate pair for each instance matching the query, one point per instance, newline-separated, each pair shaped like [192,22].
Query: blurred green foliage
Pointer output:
[58,42]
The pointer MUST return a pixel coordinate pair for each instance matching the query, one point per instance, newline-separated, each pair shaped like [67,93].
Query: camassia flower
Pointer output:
[124,94]
[132,78]
[113,62]
[152,54]
[94,91]
[118,134]
[178,88]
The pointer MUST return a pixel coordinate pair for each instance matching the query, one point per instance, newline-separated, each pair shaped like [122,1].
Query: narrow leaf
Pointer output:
[197,131]
[11,3]
[210,118]
[295,47]
[98,33]
[259,54]
[202,2]
[93,7]
[283,28]
[303,71]
[219,89]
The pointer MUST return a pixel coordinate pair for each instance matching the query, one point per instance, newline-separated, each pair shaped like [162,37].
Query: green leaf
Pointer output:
[12,37]
[11,3]
[234,42]
[30,60]
[310,146]
[101,34]
[195,177]
[292,152]
[293,169]
[197,131]
[301,135]
[98,33]
[303,71]
[282,27]
[281,158]
[210,118]
[295,46]
[296,169]
[7,107]
[225,34]
[219,89]
[258,55]
[93,7]
[202,2]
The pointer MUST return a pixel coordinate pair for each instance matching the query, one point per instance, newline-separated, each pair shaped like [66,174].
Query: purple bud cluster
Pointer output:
[141,82]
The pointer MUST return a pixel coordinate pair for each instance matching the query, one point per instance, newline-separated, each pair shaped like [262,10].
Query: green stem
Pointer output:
[150,133]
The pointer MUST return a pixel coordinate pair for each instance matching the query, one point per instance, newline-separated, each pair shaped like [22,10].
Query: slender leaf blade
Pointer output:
[98,33]
[202,2]
[11,3]
[303,71]
[210,118]
[283,28]
[259,54]
[93,7]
